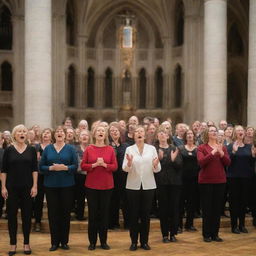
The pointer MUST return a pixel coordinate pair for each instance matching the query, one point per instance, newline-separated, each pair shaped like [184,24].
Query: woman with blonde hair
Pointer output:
[141,162]
[212,158]
[240,175]
[99,161]
[19,184]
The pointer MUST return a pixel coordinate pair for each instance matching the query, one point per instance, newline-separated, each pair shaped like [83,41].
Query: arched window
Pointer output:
[159,87]
[178,87]
[108,88]
[179,23]
[70,23]
[90,88]
[235,43]
[71,86]
[142,88]
[6,77]
[5,28]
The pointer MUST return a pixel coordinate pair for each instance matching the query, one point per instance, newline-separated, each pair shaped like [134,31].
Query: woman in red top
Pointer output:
[99,161]
[212,158]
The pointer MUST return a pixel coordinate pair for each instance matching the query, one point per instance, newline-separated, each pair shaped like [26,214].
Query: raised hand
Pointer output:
[174,154]
[235,147]
[160,154]
[155,162]
[129,159]
[220,150]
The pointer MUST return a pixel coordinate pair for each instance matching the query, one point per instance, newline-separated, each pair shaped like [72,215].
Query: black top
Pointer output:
[119,175]
[190,164]
[171,172]
[19,166]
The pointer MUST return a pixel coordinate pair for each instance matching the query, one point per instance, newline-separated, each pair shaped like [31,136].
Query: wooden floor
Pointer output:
[188,244]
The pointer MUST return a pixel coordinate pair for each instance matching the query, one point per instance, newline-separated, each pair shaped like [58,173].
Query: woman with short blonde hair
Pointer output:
[19,184]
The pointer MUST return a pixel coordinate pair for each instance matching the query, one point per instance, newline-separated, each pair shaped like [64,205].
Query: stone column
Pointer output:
[191,84]
[215,59]
[251,114]
[38,63]
[18,75]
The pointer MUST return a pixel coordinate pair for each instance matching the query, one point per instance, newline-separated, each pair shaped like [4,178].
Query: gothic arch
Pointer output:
[90,87]
[6,76]
[108,88]
[142,88]
[71,23]
[159,87]
[179,23]
[71,90]
[6,29]
[178,86]
[109,11]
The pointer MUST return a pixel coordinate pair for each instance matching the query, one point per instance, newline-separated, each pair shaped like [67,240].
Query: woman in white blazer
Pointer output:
[141,161]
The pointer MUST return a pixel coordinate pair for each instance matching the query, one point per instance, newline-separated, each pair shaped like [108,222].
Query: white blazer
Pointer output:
[142,170]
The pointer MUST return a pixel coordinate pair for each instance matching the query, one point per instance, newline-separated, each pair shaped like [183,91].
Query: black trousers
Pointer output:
[118,201]
[38,201]
[19,198]
[80,195]
[140,203]
[212,201]
[59,203]
[169,199]
[98,208]
[188,201]
[239,189]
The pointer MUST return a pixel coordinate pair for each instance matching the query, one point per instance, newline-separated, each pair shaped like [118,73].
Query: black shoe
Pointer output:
[254,221]
[64,247]
[11,253]
[192,228]
[217,239]
[28,252]
[145,247]
[105,246]
[53,248]
[166,240]
[91,247]
[235,230]
[207,239]
[173,239]
[133,247]
[81,218]
[180,230]
[243,229]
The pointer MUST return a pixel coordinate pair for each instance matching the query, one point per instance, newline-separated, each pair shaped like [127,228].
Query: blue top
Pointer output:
[67,156]
[177,141]
[242,162]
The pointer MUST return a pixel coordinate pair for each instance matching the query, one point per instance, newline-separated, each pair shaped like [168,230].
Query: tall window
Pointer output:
[178,87]
[235,43]
[5,28]
[70,23]
[142,88]
[90,88]
[6,77]
[71,86]
[159,87]
[108,88]
[179,23]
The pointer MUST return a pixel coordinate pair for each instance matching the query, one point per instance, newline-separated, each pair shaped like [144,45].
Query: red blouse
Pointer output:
[212,166]
[99,177]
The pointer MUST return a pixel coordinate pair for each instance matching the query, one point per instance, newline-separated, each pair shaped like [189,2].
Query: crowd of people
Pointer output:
[142,168]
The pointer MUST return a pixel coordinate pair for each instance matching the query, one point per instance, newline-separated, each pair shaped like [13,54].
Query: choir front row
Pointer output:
[130,172]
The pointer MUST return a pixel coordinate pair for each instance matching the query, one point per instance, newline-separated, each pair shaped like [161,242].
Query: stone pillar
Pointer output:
[215,60]
[38,63]
[251,114]
[18,75]
[191,84]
